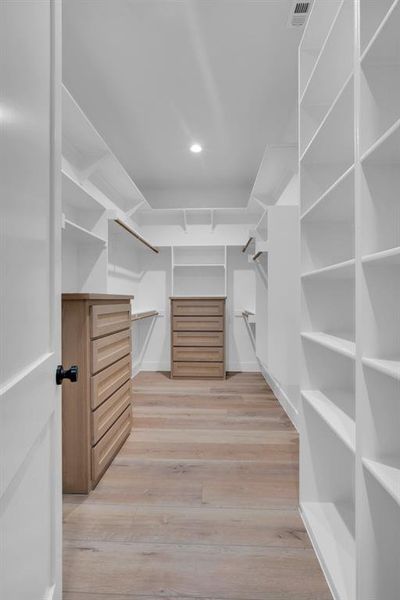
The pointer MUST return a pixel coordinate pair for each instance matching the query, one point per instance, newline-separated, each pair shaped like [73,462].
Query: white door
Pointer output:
[30,412]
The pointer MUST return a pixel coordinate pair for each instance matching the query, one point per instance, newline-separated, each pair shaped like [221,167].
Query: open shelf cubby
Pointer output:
[317,28]
[331,152]
[380,182]
[328,228]
[379,532]
[332,70]
[380,82]
[328,305]
[92,159]
[328,500]
[372,15]
[329,386]
[381,335]
[198,270]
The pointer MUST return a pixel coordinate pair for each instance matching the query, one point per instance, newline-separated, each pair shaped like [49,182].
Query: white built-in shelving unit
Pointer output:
[328,267]
[199,270]
[96,190]
[349,138]
[378,329]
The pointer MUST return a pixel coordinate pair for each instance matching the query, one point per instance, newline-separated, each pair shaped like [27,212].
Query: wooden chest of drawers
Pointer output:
[198,337]
[96,413]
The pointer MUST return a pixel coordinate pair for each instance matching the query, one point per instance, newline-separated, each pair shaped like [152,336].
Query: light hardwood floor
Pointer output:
[201,502]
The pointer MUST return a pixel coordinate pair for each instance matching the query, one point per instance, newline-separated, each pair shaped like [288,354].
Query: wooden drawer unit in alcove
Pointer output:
[198,337]
[96,413]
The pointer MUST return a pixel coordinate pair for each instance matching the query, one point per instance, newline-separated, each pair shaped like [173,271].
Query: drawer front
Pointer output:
[189,354]
[105,450]
[205,338]
[106,414]
[212,308]
[109,349]
[198,323]
[109,318]
[197,369]
[108,381]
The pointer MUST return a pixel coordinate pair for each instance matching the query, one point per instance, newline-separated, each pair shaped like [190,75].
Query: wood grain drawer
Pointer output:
[198,369]
[106,414]
[109,318]
[198,323]
[198,338]
[109,349]
[189,354]
[197,307]
[109,380]
[105,450]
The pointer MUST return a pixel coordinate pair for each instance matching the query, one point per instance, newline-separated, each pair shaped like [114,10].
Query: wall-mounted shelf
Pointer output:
[199,270]
[93,160]
[387,473]
[80,235]
[333,407]
[340,344]
[387,366]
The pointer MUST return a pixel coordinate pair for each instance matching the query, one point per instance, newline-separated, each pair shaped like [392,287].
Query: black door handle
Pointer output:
[71,374]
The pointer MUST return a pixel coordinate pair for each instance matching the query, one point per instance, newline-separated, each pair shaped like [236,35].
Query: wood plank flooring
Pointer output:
[200,504]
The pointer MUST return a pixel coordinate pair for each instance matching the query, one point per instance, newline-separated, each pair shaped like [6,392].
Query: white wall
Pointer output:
[284,305]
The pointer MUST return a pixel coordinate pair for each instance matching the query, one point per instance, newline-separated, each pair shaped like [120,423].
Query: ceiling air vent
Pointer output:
[299,13]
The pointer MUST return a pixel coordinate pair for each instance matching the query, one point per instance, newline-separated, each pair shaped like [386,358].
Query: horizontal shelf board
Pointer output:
[342,270]
[328,407]
[387,366]
[81,235]
[385,257]
[387,473]
[379,31]
[76,195]
[381,152]
[329,191]
[328,526]
[342,345]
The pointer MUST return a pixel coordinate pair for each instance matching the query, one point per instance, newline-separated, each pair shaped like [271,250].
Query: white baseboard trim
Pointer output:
[318,554]
[245,367]
[281,395]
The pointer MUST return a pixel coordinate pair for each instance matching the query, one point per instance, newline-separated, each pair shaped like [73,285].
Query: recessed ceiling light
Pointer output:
[195,148]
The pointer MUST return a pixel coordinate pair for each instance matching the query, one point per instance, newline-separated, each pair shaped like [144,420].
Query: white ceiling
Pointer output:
[156,75]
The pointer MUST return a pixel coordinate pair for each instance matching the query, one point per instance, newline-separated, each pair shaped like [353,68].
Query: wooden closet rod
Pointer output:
[136,235]
[247,244]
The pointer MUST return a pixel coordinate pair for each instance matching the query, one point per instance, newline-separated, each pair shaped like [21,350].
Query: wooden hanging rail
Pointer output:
[144,315]
[136,235]
[258,254]
[247,244]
